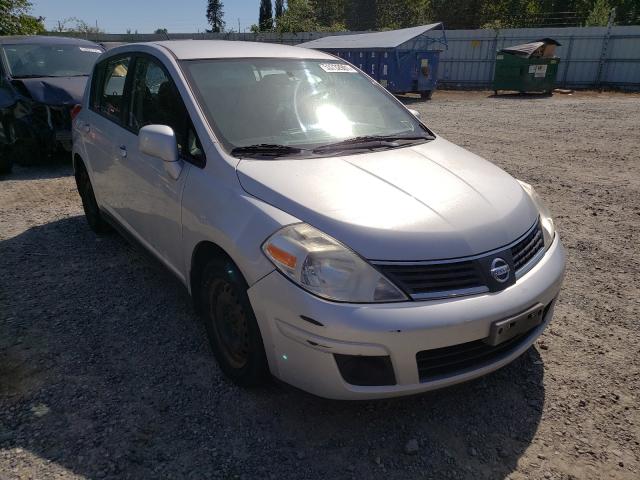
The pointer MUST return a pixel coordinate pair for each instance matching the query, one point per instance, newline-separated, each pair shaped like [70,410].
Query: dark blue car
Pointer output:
[41,80]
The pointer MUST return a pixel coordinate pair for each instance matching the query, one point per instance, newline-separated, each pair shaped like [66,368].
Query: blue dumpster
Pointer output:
[403,61]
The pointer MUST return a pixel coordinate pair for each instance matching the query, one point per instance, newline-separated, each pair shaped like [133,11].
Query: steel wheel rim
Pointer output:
[229,325]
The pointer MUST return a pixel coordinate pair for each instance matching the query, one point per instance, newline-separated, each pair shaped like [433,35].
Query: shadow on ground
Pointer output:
[105,371]
[55,168]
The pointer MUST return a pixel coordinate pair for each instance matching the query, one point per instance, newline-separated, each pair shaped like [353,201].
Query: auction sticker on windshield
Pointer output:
[337,68]
[93,50]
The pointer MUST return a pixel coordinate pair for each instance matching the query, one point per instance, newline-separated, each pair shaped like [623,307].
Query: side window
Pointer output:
[155,100]
[109,99]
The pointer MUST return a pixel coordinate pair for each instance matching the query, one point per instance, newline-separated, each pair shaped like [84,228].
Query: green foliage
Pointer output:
[301,16]
[279,9]
[215,15]
[161,31]
[76,25]
[30,25]
[328,12]
[394,14]
[361,15]
[266,16]
[15,18]
[599,14]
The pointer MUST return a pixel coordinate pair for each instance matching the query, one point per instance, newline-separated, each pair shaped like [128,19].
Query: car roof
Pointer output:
[44,40]
[199,49]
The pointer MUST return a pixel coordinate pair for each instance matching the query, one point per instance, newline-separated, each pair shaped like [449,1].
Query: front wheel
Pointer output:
[91,210]
[6,155]
[231,325]
[6,162]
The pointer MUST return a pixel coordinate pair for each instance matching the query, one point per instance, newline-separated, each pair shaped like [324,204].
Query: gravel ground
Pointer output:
[105,371]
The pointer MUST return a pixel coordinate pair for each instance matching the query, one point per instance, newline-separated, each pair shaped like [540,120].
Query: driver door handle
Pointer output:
[123,151]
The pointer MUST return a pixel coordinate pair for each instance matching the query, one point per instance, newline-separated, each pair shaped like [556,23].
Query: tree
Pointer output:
[298,17]
[215,15]
[599,14]
[329,13]
[76,25]
[361,15]
[15,18]
[161,31]
[266,15]
[279,9]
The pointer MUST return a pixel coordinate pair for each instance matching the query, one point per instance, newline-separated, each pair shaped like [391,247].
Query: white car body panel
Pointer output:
[432,201]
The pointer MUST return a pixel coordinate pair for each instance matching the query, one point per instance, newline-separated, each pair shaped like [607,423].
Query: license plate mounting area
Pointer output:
[503,330]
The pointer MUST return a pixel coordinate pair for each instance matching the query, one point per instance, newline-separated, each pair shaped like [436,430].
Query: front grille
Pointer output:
[527,248]
[455,359]
[434,278]
[442,279]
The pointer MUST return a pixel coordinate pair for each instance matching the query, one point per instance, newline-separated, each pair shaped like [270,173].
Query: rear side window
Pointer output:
[155,100]
[108,95]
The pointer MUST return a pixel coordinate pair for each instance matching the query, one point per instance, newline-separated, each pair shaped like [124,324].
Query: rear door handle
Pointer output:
[123,151]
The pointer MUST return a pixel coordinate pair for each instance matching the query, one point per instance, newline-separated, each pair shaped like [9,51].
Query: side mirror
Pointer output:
[158,141]
[415,113]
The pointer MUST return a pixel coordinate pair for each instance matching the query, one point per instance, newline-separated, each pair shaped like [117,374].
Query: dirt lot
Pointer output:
[105,371]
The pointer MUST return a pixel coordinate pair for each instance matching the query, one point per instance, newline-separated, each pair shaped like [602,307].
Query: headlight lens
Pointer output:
[548,227]
[325,267]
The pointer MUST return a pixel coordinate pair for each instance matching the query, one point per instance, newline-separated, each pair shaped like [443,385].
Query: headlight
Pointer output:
[548,227]
[325,267]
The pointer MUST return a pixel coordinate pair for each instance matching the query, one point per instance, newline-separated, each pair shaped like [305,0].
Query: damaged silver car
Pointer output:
[41,80]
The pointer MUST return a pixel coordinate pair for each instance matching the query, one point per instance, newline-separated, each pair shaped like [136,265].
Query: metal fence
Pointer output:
[591,57]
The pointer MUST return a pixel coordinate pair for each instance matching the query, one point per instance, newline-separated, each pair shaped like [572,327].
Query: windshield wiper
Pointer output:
[18,77]
[371,141]
[265,150]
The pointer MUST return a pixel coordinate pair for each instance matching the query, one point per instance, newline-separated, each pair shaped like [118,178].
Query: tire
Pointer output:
[231,325]
[426,95]
[91,210]
[6,162]
[6,154]
[25,149]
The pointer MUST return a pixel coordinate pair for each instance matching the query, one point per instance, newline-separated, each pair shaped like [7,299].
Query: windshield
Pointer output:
[294,103]
[34,60]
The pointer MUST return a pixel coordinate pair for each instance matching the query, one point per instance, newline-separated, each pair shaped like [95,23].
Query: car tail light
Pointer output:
[75,111]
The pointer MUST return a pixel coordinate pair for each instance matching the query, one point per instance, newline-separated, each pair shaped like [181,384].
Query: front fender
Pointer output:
[215,209]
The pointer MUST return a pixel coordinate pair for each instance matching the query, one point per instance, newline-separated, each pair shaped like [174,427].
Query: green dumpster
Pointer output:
[531,67]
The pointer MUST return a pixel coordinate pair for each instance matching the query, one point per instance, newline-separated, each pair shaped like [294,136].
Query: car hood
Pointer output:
[55,91]
[425,202]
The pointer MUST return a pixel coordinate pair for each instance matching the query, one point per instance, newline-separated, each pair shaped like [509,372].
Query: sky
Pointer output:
[116,16]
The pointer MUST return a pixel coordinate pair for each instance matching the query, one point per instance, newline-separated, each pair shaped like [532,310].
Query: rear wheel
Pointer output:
[231,325]
[90,206]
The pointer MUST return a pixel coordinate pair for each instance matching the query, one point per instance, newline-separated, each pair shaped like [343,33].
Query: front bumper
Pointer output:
[301,353]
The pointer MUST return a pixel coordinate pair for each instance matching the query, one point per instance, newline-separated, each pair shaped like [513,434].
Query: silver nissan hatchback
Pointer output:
[327,236]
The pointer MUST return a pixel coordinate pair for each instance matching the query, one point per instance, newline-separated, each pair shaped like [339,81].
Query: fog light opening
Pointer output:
[366,370]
